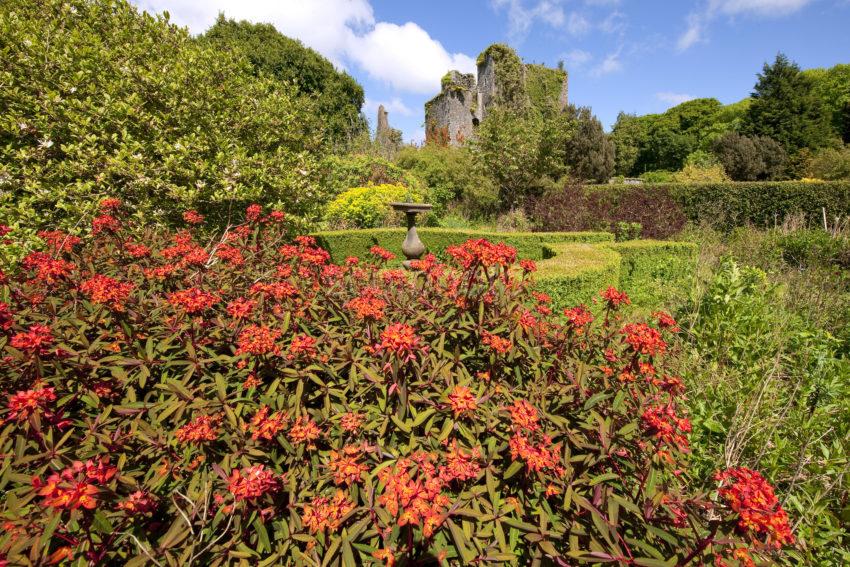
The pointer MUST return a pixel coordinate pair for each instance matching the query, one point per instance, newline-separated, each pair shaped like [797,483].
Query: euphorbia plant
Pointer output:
[178,400]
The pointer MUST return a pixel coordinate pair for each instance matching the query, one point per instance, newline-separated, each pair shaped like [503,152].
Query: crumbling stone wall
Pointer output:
[452,116]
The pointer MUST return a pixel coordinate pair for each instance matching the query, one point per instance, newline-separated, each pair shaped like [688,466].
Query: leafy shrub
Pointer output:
[250,401]
[340,173]
[450,176]
[658,176]
[767,391]
[131,104]
[697,174]
[367,207]
[832,164]
[750,158]
[627,231]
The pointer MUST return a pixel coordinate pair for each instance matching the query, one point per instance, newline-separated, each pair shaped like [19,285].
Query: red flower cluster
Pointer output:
[323,513]
[663,423]
[193,217]
[48,270]
[107,291]
[381,253]
[252,482]
[105,223]
[26,403]
[241,308]
[58,241]
[139,503]
[231,255]
[614,298]
[193,300]
[276,290]
[258,340]
[304,430]
[666,321]
[578,316]
[482,252]
[76,486]
[137,250]
[201,429]
[643,339]
[528,266]
[253,212]
[36,340]
[538,455]
[7,319]
[753,499]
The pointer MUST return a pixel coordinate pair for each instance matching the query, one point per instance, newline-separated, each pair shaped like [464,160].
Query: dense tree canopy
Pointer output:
[786,108]
[589,152]
[339,97]
[98,98]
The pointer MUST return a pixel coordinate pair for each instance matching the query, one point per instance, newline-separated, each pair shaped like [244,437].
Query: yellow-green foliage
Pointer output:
[693,173]
[367,207]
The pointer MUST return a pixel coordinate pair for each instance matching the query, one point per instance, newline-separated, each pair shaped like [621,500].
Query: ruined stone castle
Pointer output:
[503,79]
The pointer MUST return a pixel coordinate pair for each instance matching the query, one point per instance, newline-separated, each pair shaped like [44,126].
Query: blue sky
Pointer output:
[636,56]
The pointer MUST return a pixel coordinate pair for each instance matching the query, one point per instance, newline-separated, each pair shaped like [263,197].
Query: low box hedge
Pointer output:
[656,272]
[577,271]
[344,243]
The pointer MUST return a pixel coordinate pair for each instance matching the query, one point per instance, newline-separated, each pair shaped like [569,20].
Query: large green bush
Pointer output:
[367,207]
[97,98]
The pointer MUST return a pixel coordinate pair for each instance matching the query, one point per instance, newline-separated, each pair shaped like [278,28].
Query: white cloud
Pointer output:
[577,58]
[698,21]
[345,31]
[615,22]
[673,99]
[611,64]
[522,15]
[392,106]
[577,24]
[406,57]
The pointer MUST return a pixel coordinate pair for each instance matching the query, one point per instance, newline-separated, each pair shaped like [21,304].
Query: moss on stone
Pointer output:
[543,85]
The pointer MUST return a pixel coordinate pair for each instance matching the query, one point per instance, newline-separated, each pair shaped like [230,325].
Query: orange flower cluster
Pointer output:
[193,217]
[346,466]
[538,455]
[186,250]
[578,316]
[36,340]
[241,308]
[663,423]
[303,346]
[400,339]
[666,321]
[524,415]
[47,269]
[137,250]
[497,343]
[460,464]
[304,430]
[107,291]
[58,241]
[753,499]
[461,400]
[201,429]
[193,300]
[352,421]
[231,255]
[265,426]
[252,482]
[643,339]
[76,486]
[614,298]
[105,223]
[276,290]
[368,305]
[258,340]
[482,252]
[413,492]
[26,403]
[323,513]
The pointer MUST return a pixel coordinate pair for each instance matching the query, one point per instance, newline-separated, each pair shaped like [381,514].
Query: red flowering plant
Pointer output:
[180,404]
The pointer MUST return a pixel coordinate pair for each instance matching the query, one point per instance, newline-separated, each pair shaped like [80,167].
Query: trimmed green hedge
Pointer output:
[572,266]
[344,243]
[577,272]
[732,204]
[656,272]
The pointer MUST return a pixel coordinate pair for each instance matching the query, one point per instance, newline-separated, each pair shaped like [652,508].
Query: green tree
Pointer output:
[832,87]
[589,151]
[748,158]
[629,137]
[98,99]
[786,109]
[339,98]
